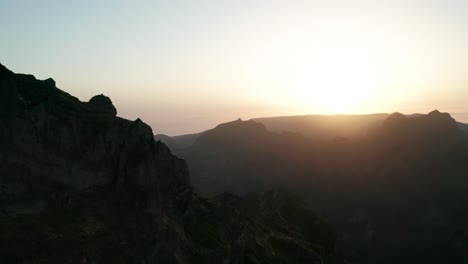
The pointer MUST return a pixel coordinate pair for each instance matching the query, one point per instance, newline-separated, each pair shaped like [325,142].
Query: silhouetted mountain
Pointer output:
[80,185]
[238,157]
[315,127]
[396,194]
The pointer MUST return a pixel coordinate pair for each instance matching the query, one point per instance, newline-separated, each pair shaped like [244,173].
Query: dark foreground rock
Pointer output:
[80,185]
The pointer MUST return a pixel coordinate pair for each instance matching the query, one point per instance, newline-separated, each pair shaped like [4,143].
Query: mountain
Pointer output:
[395,194]
[240,151]
[80,185]
[315,127]
[241,157]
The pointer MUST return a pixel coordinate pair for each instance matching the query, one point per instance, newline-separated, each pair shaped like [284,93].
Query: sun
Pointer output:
[335,86]
[342,74]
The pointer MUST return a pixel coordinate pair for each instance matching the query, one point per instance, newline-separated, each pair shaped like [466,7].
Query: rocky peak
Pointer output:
[437,116]
[395,118]
[432,119]
[8,92]
[434,128]
[103,105]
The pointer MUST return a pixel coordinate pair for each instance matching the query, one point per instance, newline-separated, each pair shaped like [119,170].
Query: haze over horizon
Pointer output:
[185,66]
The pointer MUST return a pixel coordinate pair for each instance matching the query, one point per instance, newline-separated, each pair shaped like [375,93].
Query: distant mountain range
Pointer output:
[394,186]
[316,127]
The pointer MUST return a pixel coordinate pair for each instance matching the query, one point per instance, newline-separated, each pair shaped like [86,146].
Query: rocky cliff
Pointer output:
[75,167]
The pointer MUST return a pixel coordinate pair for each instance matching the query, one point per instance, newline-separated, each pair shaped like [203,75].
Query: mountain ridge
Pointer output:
[316,127]
[378,190]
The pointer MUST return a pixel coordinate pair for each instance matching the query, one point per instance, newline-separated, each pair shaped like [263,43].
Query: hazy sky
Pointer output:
[184,66]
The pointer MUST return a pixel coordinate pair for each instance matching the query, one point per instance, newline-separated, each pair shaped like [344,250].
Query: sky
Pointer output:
[186,66]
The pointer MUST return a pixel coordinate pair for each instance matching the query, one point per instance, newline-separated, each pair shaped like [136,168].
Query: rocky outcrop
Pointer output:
[56,139]
[75,176]
[102,104]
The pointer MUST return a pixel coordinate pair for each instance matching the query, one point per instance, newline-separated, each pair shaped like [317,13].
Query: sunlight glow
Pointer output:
[335,74]
[205,62]
[335,85]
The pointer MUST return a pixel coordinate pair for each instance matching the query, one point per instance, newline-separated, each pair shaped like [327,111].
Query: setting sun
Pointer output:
[335,85]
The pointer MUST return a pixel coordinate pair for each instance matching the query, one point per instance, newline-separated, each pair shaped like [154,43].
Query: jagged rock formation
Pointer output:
[73,164]
[80,185]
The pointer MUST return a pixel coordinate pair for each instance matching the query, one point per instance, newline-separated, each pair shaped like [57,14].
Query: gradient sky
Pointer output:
[185,66]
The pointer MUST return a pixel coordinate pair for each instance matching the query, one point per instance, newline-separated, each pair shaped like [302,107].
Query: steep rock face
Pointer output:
[56,139]
[61,156]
